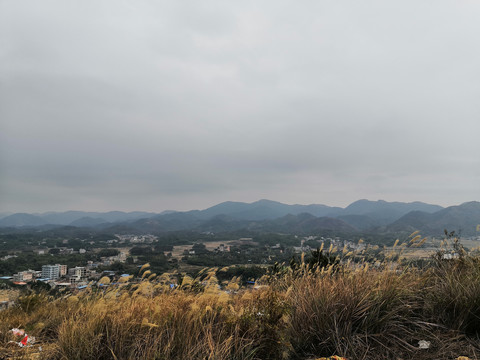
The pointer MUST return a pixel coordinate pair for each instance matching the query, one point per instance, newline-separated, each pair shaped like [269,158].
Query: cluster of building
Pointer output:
[348,244]
[335,242]
[222,248]
[56,274]
[109,260]
[59,274]
[136,239]
[62,251]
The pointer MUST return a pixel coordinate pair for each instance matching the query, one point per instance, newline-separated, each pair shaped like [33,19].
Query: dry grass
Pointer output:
[8,295]
[357,312]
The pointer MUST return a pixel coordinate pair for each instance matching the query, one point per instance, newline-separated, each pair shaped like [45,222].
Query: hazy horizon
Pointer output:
[158,105]
[203,208]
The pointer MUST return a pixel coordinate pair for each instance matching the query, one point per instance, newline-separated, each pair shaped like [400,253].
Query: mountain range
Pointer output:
[266,215]
[74,218]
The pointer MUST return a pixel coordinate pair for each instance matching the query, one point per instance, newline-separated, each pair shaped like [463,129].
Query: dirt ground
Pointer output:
[178,250]
[8,295]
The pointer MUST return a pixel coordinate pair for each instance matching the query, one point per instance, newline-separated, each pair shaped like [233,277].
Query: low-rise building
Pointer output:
[24,276]
[78,271]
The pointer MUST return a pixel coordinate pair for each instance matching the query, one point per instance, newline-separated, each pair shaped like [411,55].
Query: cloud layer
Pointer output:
[153,105]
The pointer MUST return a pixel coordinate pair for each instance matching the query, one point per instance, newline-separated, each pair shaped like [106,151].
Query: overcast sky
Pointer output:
[154,105]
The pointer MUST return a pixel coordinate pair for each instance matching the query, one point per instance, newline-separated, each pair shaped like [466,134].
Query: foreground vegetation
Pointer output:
[313,309]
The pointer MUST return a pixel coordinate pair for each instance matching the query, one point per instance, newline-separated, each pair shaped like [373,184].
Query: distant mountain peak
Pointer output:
[267,201]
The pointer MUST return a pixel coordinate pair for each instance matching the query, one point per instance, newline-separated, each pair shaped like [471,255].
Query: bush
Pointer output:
[354,312]
[454,296]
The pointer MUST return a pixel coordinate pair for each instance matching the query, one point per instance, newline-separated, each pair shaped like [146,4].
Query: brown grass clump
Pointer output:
[454,298]
[356,313]
[142,323]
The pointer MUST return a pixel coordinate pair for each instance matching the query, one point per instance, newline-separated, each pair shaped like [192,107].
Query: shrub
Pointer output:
[454,297]
[351,313]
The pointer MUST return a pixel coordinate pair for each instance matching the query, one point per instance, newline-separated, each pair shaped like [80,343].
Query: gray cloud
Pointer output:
[154,105]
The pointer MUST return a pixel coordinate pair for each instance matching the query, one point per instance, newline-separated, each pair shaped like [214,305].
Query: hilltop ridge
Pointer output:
[267,215]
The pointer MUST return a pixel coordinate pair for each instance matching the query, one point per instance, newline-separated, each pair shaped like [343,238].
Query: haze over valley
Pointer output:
[270,216]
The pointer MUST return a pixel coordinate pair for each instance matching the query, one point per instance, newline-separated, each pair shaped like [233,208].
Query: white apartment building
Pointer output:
[51,272]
